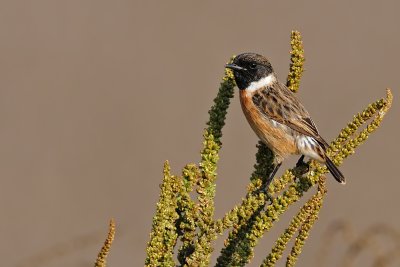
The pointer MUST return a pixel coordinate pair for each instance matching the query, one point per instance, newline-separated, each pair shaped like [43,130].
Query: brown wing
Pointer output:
[278,103]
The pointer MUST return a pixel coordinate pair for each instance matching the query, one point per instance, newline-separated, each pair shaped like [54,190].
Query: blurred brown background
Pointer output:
[95,95]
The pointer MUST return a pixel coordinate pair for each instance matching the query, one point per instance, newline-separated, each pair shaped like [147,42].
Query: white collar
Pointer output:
[263,82]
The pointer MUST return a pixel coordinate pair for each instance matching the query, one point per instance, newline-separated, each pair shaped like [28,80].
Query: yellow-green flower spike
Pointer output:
[236,250]
[295,224]
[206,194]
[221,103]
[163,236]
[187,210]
[306,226]
[301,238]
[376,110]
[297,62]
[101,258]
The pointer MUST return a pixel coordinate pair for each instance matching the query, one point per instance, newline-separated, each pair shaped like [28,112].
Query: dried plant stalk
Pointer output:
[101,258]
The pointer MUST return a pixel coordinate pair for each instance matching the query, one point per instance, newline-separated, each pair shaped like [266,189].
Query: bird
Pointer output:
[276,115]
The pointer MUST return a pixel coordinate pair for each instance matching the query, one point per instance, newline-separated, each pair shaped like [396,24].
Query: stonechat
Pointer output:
[276,115]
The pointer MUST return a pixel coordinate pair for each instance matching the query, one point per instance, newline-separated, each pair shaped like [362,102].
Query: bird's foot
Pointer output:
[301,166]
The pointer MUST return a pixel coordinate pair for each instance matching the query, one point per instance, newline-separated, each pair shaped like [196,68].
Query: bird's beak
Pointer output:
[234,67]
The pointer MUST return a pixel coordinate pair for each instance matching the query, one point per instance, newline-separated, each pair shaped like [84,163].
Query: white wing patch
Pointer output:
[309,147]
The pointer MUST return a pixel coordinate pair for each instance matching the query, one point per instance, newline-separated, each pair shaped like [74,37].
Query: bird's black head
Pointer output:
[248,68]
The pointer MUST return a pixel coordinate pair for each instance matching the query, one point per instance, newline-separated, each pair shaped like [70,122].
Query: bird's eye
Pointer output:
[253,66]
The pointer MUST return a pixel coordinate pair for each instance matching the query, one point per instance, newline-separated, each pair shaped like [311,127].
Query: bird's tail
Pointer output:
[335,171]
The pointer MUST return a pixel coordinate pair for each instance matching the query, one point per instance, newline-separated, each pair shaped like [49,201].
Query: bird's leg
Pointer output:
[270,178]
[302,166]
[300,162]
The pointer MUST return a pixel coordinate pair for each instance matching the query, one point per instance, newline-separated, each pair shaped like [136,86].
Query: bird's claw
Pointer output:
[301,166]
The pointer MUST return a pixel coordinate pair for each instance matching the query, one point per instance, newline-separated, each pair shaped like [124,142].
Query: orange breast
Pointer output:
[278,137]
